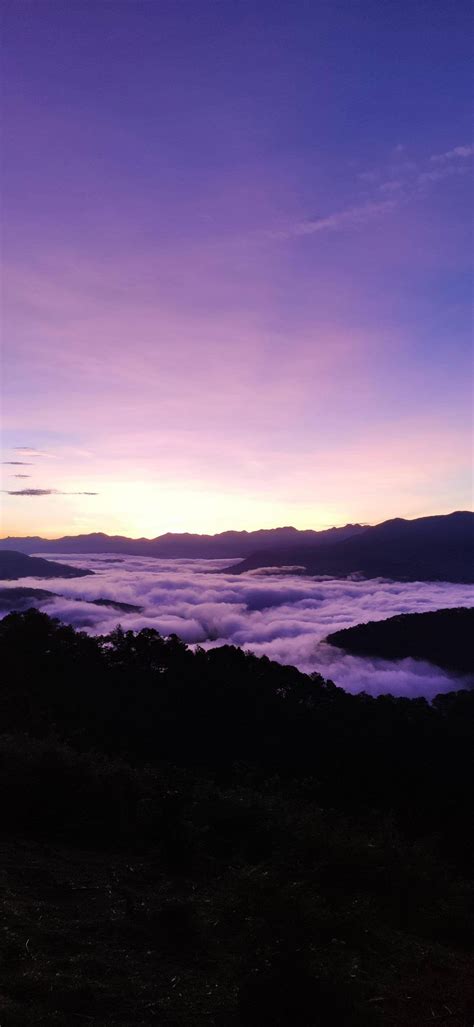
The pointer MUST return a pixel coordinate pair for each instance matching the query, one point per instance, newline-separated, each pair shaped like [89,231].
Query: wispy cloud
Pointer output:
[20,475]
[439,173]
[397,181]
[458,152]
[31,451]
[351,217]
[368,176]
[46,492]
[18,463]
[392,186]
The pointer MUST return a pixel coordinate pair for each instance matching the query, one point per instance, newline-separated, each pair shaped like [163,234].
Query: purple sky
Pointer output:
[237,252]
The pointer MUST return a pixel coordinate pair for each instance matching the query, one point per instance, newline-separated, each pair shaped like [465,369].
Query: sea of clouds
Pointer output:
[283,615]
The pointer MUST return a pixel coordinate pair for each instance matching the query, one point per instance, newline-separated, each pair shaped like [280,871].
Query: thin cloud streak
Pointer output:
[351,218]
[31,451]
[440,173]
[458,151]
[403,183]
[46,492]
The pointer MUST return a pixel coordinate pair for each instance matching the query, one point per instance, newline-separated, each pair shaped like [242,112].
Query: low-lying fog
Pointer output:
[284,616]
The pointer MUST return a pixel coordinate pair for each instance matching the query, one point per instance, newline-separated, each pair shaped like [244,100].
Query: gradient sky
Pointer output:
[236,263]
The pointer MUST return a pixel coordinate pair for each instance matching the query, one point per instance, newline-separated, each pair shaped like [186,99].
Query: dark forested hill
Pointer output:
[444,637]
[427,549]
[21,599]
[211,838]
[15,565]
[139,694]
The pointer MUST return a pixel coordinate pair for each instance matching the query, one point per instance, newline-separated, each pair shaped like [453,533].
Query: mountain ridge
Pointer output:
[226,544]
[439,547]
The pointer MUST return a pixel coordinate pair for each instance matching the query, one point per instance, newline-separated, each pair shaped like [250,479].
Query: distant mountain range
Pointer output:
[425,549]
[226,545]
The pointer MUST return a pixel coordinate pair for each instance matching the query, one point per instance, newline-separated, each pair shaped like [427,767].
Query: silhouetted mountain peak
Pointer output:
[425,549]
[226,544]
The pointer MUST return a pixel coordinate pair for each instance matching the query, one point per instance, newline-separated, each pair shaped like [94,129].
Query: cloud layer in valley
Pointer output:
[284,616]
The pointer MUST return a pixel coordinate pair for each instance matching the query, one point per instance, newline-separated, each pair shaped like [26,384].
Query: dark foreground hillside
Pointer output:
[212,838]
[442,637]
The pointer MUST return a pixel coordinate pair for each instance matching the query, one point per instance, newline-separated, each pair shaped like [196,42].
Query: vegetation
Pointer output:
[19,598]
[443,637]
[212,838]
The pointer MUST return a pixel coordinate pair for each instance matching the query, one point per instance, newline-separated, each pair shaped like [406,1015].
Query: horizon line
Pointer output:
[237,531]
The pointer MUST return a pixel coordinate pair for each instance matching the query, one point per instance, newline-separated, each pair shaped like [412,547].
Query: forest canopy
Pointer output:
[198,837]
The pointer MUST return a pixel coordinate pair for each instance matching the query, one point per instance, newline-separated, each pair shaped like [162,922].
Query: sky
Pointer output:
[236,258]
